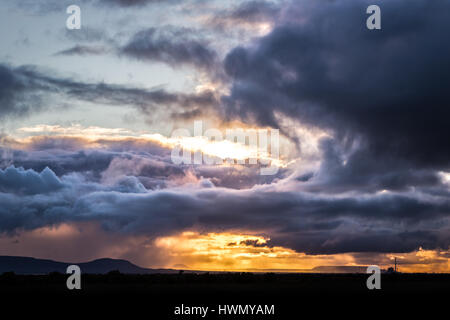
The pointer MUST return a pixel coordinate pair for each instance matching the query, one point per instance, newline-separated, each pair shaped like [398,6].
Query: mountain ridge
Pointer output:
[30,265]
[36,266]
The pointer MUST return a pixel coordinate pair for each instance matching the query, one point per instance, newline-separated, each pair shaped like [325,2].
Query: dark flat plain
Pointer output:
[294,295]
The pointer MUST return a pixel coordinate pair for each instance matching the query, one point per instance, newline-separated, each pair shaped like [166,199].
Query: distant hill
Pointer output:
[26,265]
[340,269]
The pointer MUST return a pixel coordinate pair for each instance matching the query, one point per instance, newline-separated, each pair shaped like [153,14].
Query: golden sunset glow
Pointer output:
[240,252]
[207,252]
[226,251]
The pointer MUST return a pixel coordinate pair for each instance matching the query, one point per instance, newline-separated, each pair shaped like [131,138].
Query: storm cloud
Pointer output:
[315,224]
[323,66]
[129,191]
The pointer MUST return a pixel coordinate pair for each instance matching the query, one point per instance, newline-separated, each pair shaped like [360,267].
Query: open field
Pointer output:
[291,294]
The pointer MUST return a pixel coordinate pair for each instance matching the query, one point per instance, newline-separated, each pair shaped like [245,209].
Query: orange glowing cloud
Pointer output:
[196,251]
[241,252]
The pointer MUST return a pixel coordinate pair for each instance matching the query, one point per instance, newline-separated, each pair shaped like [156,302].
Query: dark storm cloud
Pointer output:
[174,46]
[130,191]
[323,66]
[133,188]
[362,171]
[24,89]
[301,221]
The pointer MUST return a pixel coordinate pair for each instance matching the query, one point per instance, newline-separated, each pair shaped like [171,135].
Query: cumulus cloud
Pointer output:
[128,191]
[19,180]
[314,224]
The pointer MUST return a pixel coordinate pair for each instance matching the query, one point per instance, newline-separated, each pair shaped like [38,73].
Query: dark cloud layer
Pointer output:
[323,66]
[131,188]
[298,220]
[363,171]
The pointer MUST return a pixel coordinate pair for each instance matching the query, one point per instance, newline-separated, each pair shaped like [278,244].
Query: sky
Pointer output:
[88,116]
